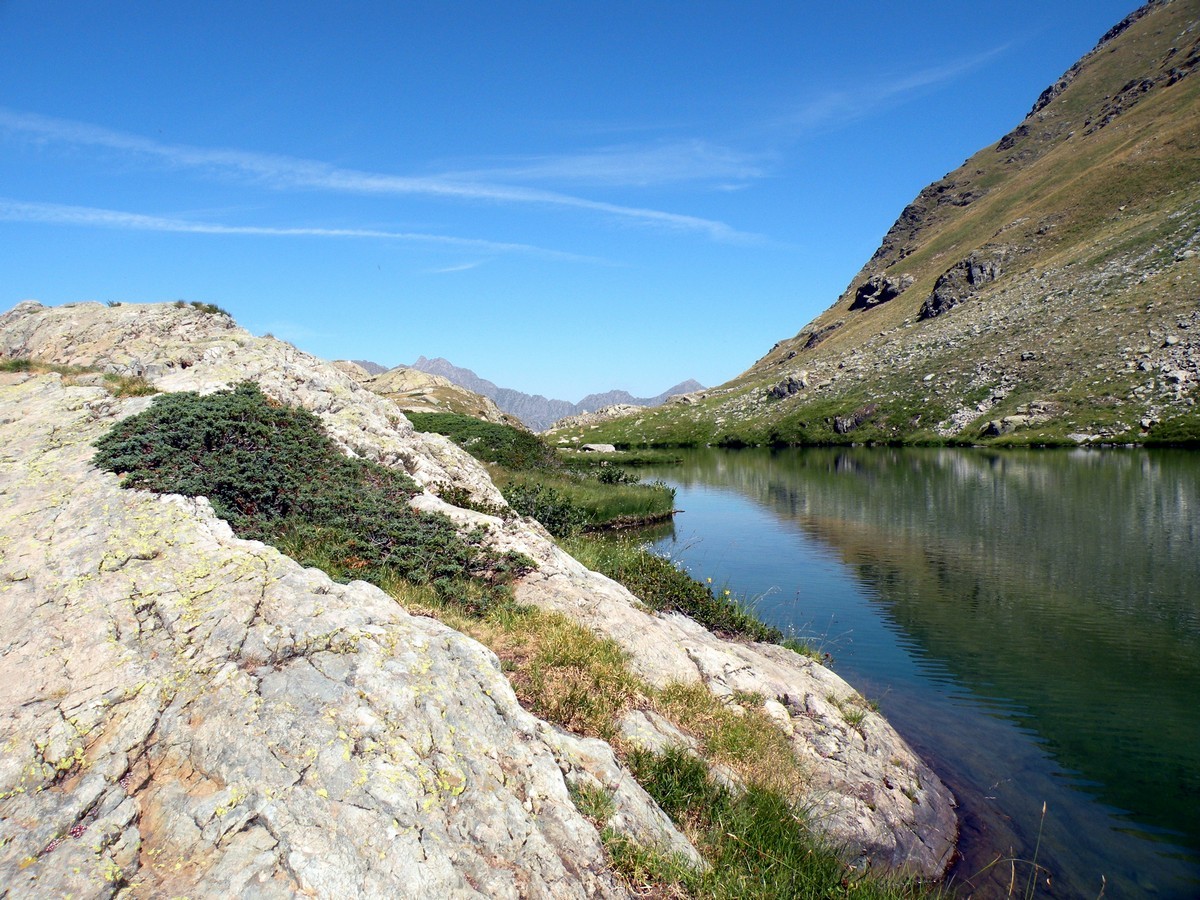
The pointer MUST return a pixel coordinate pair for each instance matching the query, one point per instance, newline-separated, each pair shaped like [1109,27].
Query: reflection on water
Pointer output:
[1029,620]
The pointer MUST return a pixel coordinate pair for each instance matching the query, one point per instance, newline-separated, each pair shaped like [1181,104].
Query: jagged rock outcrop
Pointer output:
[963,280]
[846,424]
[816,336]
[182,348]
[187,713]
[354,369]
[1075,233]
[794,383]
[879,289]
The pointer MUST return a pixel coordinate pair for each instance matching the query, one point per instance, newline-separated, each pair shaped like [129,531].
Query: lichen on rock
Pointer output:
[188,713]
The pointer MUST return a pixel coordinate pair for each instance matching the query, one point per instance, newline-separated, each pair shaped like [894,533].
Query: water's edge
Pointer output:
[1028,620]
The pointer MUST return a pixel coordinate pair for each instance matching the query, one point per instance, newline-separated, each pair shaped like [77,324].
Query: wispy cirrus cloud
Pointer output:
[288,173]
[461,267]
[638,165]
[87,216]
[856,101]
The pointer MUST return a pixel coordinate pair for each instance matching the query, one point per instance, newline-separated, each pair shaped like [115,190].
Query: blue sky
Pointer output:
[565,197]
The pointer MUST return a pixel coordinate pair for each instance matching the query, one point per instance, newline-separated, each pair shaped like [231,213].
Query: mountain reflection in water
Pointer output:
[1029,620]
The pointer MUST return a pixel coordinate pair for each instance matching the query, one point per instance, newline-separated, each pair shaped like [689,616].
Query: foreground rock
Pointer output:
[197,715]
[189,714]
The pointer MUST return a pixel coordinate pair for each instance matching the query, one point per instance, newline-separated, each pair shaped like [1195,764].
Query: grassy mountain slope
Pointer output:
[1047,290]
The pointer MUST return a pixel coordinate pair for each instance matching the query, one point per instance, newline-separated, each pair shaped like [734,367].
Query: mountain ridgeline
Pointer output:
[1047,291]
[536,411]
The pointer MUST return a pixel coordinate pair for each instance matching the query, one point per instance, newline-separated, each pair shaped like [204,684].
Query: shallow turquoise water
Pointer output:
[1030,621]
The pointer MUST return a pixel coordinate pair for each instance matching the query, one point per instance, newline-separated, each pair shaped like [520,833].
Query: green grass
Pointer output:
[901,415]
[1181,430]
[536,481]
[736,732]
[489,442]
[567,505]
[757,842]
[593,803]
[560,670]
[622,458]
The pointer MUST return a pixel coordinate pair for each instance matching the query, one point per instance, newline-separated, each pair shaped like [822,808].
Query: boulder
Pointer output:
[1006,425]
[962,280]
[818,335]
[793,384]
[846,424]
[879,289]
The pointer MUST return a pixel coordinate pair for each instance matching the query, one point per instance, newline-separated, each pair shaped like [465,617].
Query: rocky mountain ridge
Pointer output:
[188,713]
[537,412]
[1046,291]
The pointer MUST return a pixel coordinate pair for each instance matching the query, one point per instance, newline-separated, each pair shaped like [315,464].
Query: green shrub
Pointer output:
[626,458]
[615,475]
[536,482]
[557,513]
[209,308]
[487,441]
[273,474]
[1177,431]
[568,504]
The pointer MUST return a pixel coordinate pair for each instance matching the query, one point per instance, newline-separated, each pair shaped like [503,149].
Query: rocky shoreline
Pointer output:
[187,712]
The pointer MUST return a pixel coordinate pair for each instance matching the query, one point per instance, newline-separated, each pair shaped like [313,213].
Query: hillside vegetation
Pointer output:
[1046,291]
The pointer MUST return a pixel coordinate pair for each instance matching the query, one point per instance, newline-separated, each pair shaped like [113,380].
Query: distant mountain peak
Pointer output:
[536,411]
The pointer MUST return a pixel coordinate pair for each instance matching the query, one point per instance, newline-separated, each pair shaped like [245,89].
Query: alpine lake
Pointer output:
[1028,620]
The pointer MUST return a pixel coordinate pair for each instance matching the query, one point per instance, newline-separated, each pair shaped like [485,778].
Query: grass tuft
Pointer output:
[117,385]
[740,736]
[757,842]
[560,670]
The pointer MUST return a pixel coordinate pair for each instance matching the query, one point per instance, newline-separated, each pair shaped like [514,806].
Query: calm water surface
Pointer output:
[1029,621]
